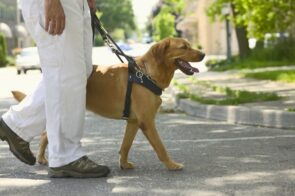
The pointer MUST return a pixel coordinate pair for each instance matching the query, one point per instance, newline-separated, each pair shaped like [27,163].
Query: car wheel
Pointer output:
[19,72]
[25,71]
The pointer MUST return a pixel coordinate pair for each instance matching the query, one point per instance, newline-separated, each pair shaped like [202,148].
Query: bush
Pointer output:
[284,50]
[10,60]
[118,35]
[280,54]
[98,41]
[3,51]
[214,63]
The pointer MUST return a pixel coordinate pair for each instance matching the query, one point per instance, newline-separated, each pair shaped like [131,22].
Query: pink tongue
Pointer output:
[187,68]
[194,69]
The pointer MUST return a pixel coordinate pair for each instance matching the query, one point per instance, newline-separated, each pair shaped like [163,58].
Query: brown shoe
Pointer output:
[81,168]
[19,147]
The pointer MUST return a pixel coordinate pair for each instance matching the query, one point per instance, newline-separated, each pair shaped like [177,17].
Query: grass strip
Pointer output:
[234,97]
[291,109]
[280,75]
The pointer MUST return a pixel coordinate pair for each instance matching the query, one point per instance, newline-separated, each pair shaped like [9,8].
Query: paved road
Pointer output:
[219,158]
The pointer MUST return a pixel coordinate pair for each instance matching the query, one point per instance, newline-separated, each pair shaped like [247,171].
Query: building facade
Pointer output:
[10,15]
[198,29]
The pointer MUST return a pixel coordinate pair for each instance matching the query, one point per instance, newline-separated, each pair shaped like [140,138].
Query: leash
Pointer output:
[135,75]
[96,24]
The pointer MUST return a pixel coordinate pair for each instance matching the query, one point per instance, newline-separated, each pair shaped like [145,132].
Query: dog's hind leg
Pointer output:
[150,131]
[130,133]
[42,147]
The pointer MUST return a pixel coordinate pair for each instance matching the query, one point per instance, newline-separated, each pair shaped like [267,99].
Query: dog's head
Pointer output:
[176,53]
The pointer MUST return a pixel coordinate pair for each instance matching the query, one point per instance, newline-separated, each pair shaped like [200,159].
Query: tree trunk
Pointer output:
[241,33]
[292,31]
[243,44]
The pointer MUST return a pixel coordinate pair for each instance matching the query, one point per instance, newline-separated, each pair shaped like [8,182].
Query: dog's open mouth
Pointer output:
[185,67]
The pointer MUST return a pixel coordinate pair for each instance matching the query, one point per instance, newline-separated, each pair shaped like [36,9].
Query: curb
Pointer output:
[239,114]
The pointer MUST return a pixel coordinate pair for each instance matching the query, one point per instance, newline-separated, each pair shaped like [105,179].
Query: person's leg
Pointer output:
[88,42]
[26,120]
[65,79]
[63,94]
[22,122]
[67,95]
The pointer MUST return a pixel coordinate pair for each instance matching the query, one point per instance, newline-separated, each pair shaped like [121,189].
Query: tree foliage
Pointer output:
[164,25]
[258,16]
[116,14]
[175,6]
[165,18]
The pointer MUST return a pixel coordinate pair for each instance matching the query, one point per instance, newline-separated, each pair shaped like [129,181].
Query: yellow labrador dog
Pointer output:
[106,89]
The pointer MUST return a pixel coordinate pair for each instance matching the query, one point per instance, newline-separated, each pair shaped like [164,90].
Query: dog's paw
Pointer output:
[42,161]
[174,166]
[126,165]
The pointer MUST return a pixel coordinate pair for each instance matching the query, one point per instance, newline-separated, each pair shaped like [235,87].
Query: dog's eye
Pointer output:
[184,47]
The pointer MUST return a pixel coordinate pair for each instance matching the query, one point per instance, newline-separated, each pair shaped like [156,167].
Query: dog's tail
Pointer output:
[19,96]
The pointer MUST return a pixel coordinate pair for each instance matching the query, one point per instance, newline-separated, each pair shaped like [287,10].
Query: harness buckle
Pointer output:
[139,75]
[125,118]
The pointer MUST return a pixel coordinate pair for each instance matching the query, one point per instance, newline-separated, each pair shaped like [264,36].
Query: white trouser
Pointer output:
[58,102]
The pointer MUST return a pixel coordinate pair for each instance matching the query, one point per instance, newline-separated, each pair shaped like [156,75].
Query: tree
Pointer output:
[116,14]
[165,18]
[256,18]
[215,11]
[164,25]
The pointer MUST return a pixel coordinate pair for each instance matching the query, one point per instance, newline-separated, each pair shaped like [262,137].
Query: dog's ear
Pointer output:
[159,50]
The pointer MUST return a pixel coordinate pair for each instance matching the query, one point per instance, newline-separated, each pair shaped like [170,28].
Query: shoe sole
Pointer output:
[3,137]
[73,174]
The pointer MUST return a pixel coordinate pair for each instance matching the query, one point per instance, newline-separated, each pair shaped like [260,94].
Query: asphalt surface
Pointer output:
[219,158]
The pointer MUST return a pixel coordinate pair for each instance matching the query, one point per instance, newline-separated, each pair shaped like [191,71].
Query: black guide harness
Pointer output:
[135,75]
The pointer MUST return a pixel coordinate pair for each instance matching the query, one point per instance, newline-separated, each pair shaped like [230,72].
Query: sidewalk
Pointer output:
[268,114]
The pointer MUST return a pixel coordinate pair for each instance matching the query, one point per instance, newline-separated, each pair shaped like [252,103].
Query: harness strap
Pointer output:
[127,106]
[141,79]
[134,73]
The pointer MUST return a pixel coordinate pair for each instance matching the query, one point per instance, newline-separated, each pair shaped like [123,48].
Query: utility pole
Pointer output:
[17,21]
[226,12]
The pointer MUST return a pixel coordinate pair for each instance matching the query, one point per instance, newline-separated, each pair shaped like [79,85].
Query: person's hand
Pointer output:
[54,17]
[92,5]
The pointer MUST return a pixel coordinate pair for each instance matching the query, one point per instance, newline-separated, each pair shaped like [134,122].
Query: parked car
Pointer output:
[27,59]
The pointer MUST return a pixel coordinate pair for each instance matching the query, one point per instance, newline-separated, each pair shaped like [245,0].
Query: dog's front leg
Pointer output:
[130,133]
[150,131]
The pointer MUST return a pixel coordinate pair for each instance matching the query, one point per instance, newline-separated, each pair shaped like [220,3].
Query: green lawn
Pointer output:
[249,64]
[281,54]
[282,76]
